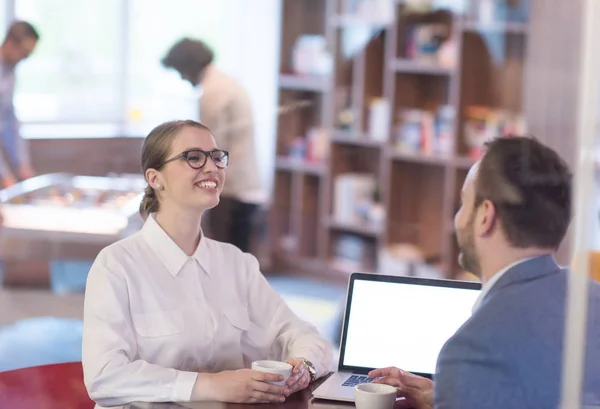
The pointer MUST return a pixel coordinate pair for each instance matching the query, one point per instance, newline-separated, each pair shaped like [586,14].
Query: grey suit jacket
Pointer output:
[508,355]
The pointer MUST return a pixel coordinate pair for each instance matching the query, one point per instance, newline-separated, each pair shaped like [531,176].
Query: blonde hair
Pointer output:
[155,152]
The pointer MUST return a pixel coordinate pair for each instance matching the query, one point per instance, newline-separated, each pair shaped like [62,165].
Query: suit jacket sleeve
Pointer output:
[471,374]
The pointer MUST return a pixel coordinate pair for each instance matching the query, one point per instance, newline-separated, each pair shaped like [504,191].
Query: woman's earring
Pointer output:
[158,186]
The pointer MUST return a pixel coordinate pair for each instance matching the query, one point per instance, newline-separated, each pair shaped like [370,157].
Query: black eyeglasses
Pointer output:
[196,158]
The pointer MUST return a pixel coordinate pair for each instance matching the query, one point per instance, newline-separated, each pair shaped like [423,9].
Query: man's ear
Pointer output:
[486,218]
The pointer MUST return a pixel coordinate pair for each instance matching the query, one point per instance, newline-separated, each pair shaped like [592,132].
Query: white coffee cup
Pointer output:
[276,367]
[374,396]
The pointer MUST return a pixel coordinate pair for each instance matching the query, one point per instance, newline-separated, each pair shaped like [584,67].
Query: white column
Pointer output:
[584,198]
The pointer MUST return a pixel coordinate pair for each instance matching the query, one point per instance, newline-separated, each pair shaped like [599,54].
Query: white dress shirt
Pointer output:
[155,317]
[488,285]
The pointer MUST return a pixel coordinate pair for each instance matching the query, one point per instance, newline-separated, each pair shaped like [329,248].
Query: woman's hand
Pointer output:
[300,378]
[241,386]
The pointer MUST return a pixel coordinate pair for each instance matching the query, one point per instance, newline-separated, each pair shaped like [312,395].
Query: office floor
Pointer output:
[40,327]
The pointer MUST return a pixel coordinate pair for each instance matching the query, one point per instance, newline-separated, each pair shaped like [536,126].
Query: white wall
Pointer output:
[255,37]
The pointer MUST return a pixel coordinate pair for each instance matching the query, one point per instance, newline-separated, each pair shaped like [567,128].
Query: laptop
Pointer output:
[395,321]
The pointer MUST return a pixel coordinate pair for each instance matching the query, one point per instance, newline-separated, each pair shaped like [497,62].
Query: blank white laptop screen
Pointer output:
[403,325]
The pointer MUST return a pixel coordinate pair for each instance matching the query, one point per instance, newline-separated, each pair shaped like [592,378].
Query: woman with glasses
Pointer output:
[173,316]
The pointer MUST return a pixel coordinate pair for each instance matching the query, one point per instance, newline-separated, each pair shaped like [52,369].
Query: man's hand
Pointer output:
[26,172]
[8,180]
[241,386]
[416,390]
[300,378]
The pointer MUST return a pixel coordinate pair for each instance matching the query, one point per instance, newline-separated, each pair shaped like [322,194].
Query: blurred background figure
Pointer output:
[226,109]
[19,43]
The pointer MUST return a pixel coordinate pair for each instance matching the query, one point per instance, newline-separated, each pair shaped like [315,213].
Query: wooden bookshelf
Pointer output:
[418,189]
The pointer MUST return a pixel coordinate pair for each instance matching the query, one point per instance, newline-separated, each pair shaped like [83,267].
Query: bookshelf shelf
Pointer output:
[362,228]
[345,20]
[356,139]
[298,165]
[420,157]
[508,27]
[407,66]
[309,83]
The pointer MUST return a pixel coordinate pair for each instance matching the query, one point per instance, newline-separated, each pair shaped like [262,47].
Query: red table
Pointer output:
[45,387]
[61,386]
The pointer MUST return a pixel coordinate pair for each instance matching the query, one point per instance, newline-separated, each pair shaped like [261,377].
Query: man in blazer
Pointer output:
[515,211]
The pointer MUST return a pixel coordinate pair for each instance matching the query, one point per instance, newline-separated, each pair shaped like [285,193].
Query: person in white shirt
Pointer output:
[226,109]
[173,316]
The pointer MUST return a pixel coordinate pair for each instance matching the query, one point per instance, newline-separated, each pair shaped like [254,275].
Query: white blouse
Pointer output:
[155,317]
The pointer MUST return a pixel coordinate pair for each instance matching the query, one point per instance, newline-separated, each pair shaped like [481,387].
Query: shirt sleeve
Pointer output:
[291,336]
[113,373]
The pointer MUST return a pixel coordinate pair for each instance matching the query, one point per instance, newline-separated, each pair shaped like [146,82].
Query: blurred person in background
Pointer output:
[171,315]
[15,164]
[226,109]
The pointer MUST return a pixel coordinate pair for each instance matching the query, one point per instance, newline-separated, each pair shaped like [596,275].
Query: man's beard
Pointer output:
[468,258]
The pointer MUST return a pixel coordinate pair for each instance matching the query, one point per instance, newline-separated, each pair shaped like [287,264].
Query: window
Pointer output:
[97,70]
[73,75]
[97,73]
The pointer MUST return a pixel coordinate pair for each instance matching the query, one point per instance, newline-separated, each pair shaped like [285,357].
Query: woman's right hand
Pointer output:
[241,386]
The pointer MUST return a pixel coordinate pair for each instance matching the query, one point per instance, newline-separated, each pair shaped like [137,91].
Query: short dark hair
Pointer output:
[188,56]
[530,186]
[20,30]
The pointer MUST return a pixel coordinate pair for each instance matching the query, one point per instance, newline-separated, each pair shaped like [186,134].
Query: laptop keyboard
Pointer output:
[354,380]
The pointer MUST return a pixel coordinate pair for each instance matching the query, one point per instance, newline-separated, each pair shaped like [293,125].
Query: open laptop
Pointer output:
[396,321]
